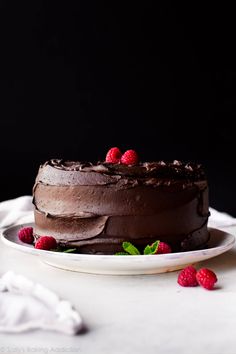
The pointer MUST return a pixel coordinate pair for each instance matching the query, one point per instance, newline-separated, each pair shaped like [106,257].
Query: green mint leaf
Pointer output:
[155,246]
[151,249]
[69,250]
[147,250]
[129,248]
[121,254]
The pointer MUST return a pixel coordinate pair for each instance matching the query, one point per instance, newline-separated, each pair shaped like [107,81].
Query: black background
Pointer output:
[79,78]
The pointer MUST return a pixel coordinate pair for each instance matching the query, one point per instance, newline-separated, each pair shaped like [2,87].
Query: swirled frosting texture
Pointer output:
[95,207]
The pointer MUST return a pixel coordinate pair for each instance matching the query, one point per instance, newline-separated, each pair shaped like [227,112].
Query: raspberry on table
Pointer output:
[206,278]
[25,234]
[187,277]
[46,243]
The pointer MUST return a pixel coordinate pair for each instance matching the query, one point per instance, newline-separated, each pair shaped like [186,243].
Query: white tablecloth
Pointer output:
[133,314]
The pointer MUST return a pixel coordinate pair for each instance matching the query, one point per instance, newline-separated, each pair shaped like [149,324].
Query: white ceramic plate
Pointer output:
[219,243]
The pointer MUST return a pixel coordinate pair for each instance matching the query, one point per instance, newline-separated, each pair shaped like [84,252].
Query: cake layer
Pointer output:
[107,200]
[97,207]
[76,232]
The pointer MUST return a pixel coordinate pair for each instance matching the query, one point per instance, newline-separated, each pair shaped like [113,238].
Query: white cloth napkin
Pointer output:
[16,211]
[25,305]
[219,219]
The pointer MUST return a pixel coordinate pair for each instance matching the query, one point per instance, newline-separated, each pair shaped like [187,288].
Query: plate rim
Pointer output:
[28,249]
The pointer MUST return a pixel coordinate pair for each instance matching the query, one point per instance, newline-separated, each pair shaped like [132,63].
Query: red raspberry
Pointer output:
[163,248]
[206,278]
[130,157]
[113,155]
[46,243]
[25,234]
[187,277]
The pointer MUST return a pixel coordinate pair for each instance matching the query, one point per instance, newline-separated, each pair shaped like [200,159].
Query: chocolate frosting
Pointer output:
[96,207]
[60,172]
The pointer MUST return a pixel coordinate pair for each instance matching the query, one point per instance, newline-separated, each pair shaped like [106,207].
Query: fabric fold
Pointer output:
[25,305]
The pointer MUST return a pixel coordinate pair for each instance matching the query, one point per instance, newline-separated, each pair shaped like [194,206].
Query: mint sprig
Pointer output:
[130,249]
[151,249]
[69,250]
[64,250]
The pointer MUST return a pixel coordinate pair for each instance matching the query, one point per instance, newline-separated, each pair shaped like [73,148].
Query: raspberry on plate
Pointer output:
[46,243]
[25,234]
[163,248]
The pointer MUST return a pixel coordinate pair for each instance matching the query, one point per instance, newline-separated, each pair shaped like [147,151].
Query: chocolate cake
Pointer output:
[95,207]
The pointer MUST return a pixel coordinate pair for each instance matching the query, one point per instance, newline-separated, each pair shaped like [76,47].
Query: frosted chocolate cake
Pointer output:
[95,207]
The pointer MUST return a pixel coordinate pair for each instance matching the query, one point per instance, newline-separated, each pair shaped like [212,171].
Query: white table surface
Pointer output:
[133,314]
